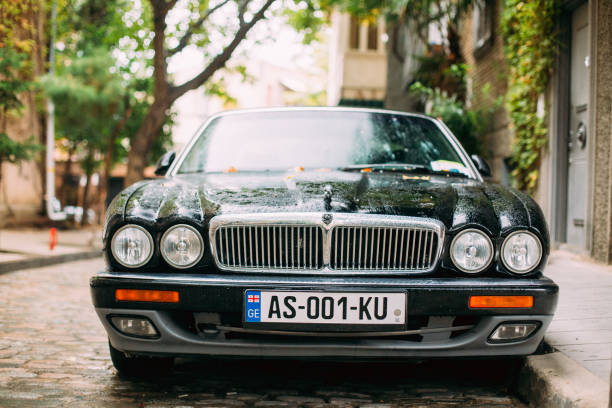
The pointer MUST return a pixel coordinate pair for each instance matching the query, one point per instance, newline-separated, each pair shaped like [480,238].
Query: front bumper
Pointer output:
[223,295]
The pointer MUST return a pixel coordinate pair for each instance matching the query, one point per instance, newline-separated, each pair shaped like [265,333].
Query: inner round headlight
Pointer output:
[471,251]
[521,252]
[182,246]
[132,246]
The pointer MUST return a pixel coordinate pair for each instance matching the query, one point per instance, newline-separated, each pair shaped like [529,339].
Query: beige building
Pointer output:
[357,73]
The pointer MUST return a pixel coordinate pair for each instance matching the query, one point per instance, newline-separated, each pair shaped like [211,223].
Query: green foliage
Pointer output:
[528,29]
[15,152]
[468,125]
[88,98]
[104,69]
[436,70]
[13,18]
[11,85]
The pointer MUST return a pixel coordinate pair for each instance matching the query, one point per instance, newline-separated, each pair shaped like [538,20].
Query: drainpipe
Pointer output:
[50,173]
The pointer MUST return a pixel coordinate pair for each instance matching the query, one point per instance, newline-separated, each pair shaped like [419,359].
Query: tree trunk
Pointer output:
[85,199]
[143,140]
[66,178]
[164,94]
[108,161]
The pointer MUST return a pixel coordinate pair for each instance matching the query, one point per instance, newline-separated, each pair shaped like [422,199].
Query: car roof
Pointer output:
[318,109]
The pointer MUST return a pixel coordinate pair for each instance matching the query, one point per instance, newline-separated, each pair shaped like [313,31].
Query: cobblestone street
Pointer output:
[54,353]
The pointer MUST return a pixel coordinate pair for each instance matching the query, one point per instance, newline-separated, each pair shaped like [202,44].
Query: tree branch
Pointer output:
[220,60]
[184,41]
[241,10]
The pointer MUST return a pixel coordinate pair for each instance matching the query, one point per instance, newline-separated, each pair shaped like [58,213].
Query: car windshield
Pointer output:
[321,140]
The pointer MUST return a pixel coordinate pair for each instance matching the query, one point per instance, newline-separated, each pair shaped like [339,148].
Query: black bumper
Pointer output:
[224,293]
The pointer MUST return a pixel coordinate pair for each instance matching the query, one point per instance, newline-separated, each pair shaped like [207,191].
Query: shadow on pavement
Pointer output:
[329,383]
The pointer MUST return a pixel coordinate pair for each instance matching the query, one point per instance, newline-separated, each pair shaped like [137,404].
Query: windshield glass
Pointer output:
[311,139]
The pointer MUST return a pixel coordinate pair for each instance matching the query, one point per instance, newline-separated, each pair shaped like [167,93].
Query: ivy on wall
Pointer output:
[528,28]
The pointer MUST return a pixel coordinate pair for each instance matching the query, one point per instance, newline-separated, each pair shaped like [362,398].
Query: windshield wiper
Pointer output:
[403,168]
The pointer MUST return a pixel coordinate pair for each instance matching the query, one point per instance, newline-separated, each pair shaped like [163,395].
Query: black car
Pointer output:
[322,232]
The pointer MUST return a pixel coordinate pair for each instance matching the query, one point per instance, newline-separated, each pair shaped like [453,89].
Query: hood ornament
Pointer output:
[327,198]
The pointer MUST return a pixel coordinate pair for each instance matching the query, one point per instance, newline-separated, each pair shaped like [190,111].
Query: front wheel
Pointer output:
[139,365]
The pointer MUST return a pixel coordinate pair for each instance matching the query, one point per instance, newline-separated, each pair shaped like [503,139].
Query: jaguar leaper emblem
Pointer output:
[327,219]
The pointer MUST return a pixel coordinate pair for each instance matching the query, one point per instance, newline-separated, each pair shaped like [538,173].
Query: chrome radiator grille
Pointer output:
[270,246]
[314,243]
[382,248]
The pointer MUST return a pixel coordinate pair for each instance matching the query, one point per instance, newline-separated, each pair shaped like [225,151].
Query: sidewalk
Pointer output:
[577,374]
[582,327]
[29,248]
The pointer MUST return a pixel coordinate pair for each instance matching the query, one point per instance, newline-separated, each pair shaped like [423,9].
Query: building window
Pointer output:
[483,26]
[354,34]
[372,37]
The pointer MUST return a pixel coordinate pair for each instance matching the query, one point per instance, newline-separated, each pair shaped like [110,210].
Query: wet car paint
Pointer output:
[457,202]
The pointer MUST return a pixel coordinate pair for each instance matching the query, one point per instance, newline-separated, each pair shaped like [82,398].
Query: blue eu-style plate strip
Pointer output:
[252,299]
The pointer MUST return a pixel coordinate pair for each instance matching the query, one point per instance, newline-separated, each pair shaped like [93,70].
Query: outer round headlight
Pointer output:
[132,246]
[471,251]
[182,246]
[521,252]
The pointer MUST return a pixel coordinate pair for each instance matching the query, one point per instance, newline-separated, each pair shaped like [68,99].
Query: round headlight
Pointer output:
[132,246]
[471,251]
[182,246]
[521,252]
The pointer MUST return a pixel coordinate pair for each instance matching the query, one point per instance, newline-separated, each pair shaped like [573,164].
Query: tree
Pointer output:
[90,104]
[247,14]
[15,71]
[11,85]
[99,72]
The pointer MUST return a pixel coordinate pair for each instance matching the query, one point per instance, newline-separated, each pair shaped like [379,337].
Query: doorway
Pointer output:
[578,134]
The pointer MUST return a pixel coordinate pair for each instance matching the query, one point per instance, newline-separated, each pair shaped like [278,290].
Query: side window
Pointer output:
[482,20]
[372,36]
[354,34]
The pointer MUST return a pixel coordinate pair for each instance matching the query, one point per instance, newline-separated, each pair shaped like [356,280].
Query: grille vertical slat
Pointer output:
[413,235]
[310,229]
[316,250]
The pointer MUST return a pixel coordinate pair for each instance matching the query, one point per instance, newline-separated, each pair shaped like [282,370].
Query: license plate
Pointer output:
[324,307]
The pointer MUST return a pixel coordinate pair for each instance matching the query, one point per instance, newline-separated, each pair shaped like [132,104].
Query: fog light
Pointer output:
[135,326]
[513,332]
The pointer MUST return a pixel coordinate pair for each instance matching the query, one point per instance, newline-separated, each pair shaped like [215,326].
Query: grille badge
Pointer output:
[327,219]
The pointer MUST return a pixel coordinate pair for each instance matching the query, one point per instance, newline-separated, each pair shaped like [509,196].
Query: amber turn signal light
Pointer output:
[501,302]
[137,295]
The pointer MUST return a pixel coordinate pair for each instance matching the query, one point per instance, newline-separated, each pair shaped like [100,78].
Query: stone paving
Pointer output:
[53,353]
[582,328]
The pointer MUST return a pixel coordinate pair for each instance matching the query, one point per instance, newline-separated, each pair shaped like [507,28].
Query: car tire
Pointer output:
[139,366]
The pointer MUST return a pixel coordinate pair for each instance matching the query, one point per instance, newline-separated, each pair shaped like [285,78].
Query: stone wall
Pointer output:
[601,125]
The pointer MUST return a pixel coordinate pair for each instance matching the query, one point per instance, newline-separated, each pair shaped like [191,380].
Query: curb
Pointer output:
[556,381]
[38,262]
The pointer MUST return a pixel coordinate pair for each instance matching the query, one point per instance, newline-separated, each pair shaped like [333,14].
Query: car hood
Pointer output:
[454,201]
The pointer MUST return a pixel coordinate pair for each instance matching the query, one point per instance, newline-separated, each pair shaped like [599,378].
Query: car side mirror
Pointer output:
[164,163]
[481,165]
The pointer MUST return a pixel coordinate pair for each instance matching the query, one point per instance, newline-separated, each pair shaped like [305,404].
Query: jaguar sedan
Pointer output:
[322,233]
